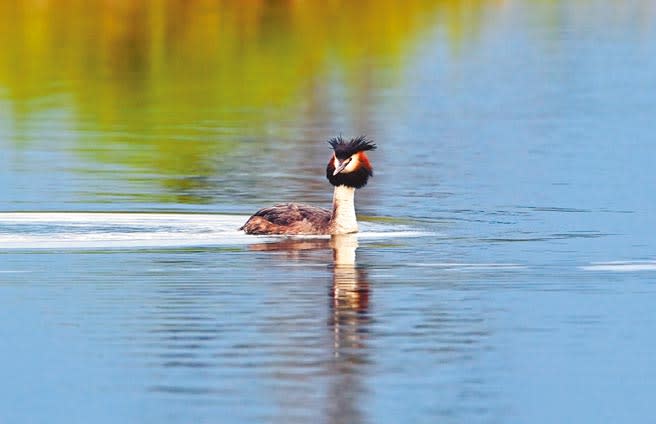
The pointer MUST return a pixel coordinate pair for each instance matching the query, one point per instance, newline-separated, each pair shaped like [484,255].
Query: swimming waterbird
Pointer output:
[348,169]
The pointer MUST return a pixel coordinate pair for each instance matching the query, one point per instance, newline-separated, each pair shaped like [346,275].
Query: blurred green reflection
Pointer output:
[169,87]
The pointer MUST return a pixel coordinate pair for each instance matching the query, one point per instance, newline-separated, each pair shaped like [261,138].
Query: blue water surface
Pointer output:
[505,271]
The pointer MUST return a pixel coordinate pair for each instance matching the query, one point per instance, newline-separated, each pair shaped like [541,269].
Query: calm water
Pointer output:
[506,266]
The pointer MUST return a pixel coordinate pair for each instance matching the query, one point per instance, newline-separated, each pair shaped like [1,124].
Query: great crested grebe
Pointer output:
[348,169]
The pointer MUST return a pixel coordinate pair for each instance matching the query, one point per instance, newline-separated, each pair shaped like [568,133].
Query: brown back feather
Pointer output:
[289,218]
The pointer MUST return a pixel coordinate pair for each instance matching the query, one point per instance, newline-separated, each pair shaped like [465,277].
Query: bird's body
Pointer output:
[348,169]
[289,218]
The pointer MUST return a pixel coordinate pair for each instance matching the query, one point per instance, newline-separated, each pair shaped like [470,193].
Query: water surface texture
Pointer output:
[506,265]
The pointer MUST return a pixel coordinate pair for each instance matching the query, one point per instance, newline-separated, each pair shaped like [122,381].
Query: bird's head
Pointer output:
[349,165]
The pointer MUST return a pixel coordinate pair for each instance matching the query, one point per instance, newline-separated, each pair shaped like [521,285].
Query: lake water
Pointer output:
[506,266]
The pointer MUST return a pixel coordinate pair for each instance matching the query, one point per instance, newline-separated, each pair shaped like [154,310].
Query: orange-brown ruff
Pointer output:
[348,169]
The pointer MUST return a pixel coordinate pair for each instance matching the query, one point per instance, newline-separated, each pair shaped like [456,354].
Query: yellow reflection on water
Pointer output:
[172,83]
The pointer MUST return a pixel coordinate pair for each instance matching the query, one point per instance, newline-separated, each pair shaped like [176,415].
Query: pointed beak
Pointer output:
[341,166]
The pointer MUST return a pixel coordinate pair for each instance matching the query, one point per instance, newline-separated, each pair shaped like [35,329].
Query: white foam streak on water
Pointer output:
[137,230]
[621,266]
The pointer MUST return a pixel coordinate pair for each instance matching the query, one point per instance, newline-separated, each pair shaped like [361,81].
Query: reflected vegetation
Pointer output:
[173,91]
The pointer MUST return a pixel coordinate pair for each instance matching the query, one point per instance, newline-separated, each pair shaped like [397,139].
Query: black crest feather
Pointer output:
[344,149]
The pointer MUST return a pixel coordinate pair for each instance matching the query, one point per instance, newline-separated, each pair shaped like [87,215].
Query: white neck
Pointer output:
[343,220]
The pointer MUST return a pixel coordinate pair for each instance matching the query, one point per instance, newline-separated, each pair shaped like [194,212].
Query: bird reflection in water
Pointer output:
[349,296]
[349,291]
[348,321]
